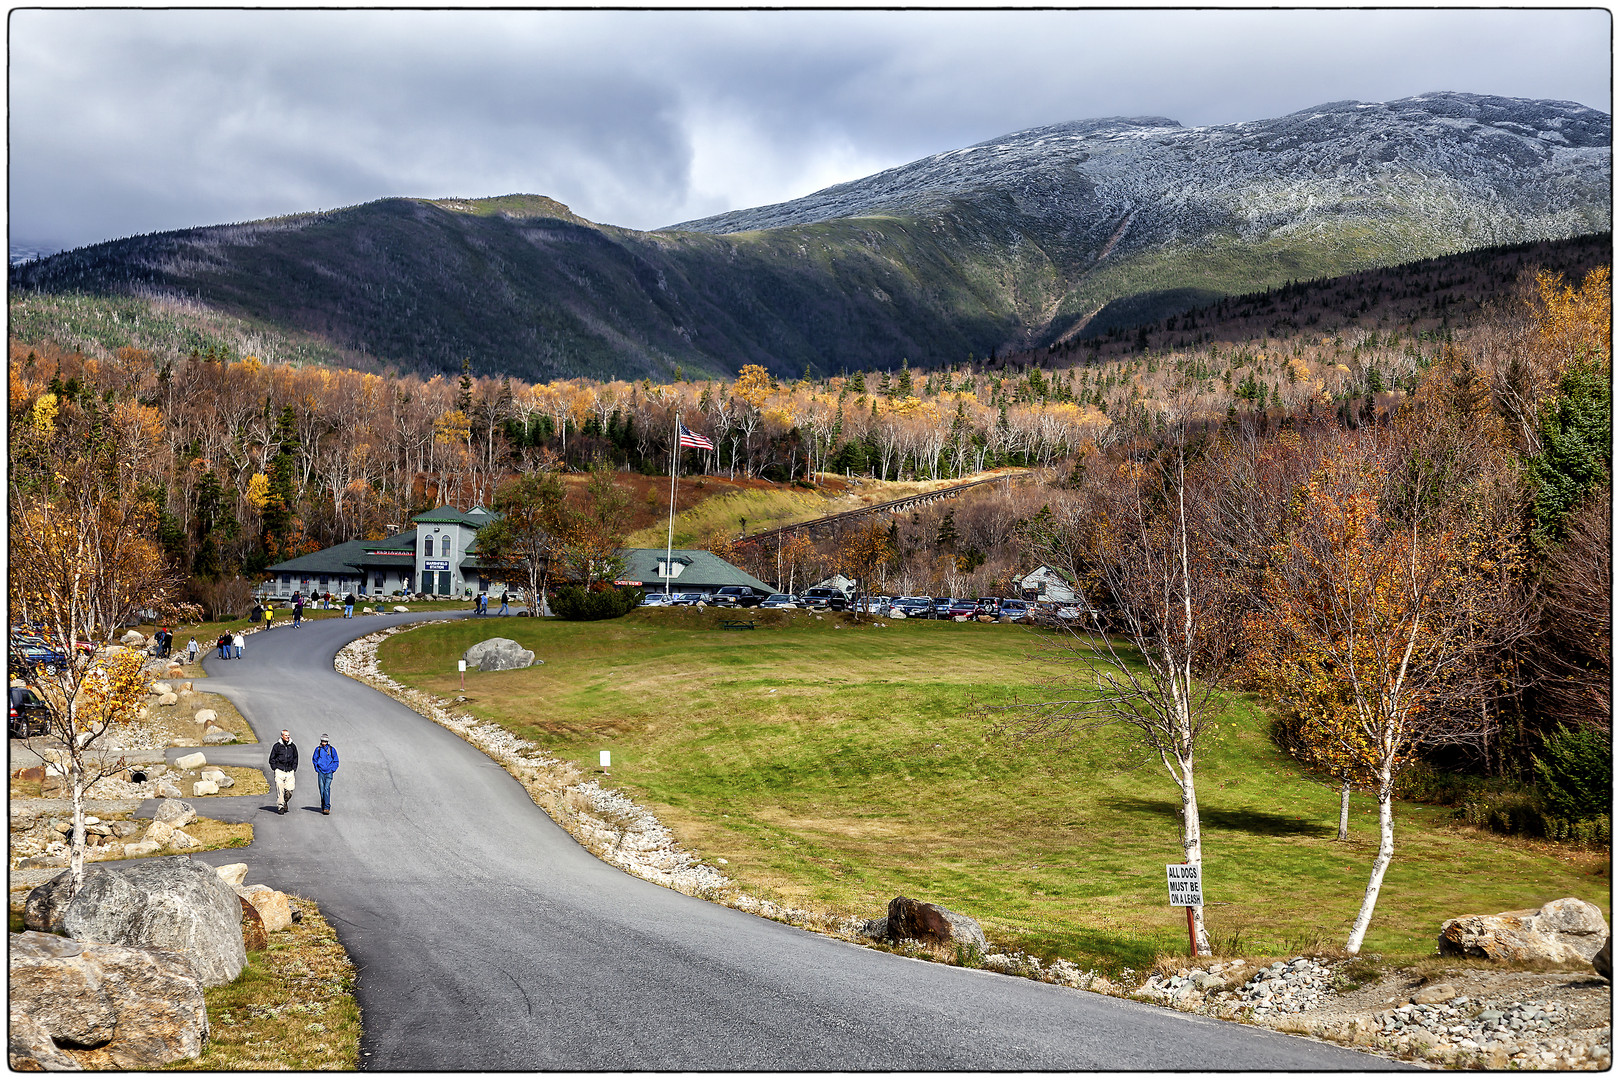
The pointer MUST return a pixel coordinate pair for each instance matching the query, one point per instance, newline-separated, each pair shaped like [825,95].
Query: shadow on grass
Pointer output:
[1258,822]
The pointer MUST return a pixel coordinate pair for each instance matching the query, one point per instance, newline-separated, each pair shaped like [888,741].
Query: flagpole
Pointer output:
[674,471]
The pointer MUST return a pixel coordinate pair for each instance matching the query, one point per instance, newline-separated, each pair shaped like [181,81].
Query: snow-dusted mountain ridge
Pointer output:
[1442,170]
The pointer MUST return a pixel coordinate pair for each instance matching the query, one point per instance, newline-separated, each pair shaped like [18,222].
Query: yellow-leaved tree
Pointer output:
[82,563]
[1379,605]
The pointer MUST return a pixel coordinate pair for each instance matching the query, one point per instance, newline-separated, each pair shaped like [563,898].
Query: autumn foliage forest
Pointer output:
[1442,492]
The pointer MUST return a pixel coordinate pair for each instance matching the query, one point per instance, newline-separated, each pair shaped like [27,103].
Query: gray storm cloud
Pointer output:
[134,121]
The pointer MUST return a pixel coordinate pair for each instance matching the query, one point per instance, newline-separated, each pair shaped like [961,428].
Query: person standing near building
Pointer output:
[348,605]
[325,761]
[283,765]
[298,611]
[503,602]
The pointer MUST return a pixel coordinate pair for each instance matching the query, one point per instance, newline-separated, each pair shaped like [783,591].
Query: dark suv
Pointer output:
[29,716]
[737,596]
[827,598]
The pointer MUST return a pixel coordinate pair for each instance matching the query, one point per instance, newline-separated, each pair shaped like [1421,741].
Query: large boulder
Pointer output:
[1567,931]
[1603,962]
[932,925]
[90,1005]
[498,654]
[167,903]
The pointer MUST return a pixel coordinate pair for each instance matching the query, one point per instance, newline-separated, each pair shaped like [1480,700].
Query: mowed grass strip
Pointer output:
[836,766]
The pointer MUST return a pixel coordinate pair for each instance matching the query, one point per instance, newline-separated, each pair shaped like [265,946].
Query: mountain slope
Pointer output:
[1012,243]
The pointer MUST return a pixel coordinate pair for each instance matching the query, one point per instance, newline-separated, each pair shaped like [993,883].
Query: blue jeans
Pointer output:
[323,780]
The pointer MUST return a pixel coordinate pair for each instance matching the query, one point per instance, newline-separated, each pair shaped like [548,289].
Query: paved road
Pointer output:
[486,938]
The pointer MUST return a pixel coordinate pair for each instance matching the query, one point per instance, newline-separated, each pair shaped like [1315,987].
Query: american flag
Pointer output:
[694,440]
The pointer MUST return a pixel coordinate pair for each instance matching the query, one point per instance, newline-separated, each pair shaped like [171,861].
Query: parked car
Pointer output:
[875,605]
[825,598]
[29,716]
[687,599]
[780,600]
[1062,611]
[987,605]
[34,655]
[656,599]
[1016,610]
[736,596]
[915,607]
[941,608]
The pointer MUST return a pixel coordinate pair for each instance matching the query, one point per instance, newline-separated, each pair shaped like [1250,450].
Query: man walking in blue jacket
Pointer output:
[325,760]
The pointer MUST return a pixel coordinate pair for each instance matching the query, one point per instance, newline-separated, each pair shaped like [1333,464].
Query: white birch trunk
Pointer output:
[1344,811]
[1386,851]
[1192,844]
[76,838]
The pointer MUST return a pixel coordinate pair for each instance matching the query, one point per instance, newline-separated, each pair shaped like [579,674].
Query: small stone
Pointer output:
[205,716]
[232,874]
[191,761]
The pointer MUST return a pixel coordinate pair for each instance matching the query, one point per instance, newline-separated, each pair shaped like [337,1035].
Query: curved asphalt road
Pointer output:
[486,938]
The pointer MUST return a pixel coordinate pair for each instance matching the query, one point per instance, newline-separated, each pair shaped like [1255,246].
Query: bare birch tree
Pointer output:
[1157,676]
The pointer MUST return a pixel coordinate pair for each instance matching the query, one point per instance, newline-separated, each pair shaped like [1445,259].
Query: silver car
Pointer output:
[780,600]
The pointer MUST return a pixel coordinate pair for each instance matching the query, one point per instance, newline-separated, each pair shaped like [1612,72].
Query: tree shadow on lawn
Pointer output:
[1258,822]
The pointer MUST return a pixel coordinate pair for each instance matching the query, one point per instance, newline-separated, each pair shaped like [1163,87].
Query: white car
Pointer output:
[780,600]
[656,599]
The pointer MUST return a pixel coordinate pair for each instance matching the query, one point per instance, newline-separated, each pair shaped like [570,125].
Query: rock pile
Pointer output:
[1290,986]
[1519,1032]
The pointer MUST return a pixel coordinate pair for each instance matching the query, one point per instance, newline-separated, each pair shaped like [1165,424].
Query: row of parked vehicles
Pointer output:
[913,607]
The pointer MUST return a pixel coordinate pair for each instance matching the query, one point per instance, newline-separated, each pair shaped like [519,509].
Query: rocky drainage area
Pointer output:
[1475,1016]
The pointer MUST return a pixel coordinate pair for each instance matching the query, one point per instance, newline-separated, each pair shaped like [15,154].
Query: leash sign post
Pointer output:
[1186,885]
[1186,891]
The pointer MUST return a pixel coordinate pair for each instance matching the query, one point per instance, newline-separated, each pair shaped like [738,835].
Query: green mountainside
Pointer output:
[1011,245]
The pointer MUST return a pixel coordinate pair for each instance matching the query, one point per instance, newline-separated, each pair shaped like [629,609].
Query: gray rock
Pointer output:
[102,1006]
[874,929]
[166,789]
[175,812]
[218,737]
[169,903]
[498,654]
[30,1048]
[1602,963]
[932,924]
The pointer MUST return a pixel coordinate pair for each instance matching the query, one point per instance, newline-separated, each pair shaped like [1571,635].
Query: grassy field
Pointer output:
[837,766]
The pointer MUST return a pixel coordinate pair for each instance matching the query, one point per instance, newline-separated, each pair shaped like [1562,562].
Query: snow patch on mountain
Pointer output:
[1459,169]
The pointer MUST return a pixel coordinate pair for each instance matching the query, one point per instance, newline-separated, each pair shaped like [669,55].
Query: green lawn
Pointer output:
[838,766]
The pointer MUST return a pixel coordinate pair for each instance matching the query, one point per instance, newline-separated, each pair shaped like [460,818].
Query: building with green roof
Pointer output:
[438,556]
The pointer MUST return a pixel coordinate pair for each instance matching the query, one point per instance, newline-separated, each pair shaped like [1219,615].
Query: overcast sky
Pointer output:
[135,121]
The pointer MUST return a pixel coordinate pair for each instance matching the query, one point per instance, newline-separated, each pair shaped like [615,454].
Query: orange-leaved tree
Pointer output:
[1379,619]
